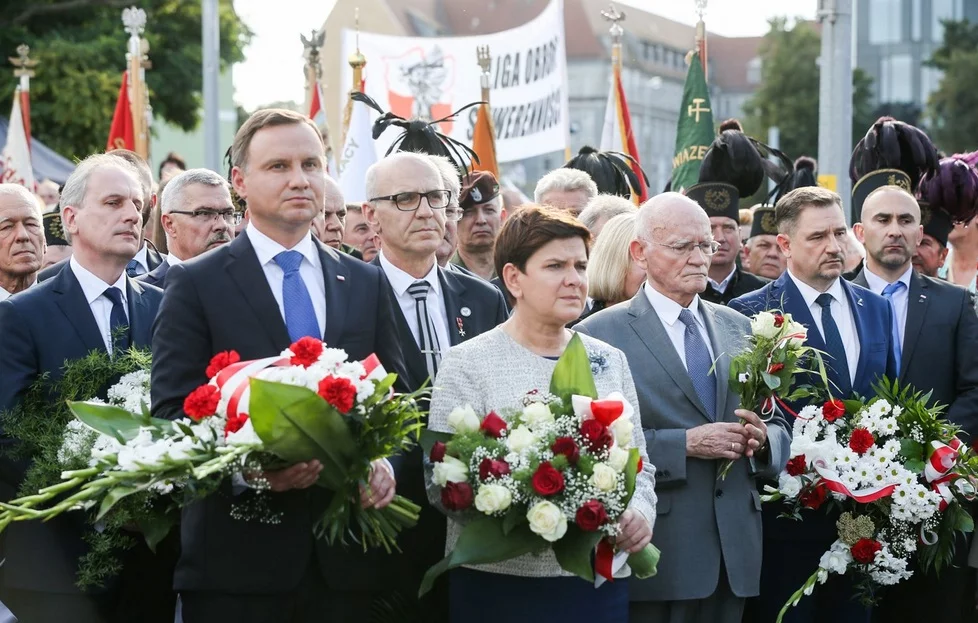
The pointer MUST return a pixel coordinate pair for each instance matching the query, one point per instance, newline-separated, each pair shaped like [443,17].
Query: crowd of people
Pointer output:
[447,277]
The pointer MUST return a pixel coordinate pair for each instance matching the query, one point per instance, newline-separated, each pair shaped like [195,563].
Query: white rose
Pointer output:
[801,333]
[546,520]
[789,486]
[618,458]
[622,429]
[537,415]
[520,438]
[762,325]
[449,470]
[464,419]
[604,477]
[493,498]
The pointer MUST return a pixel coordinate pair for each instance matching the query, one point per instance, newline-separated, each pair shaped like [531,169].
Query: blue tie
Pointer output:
[300,315]
[698,364]
[833,344]
[118,321]
[888,293]
[133,268]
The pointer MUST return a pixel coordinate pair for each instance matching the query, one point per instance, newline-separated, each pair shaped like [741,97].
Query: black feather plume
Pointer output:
[611,170]
[733,159]
[892,144]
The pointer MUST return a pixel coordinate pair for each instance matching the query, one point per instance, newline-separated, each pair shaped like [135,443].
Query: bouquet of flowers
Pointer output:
[897,471]
[764,374]
[308,403]
[557,474]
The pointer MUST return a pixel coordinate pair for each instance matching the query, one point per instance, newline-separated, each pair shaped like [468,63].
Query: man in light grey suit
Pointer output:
[709,530]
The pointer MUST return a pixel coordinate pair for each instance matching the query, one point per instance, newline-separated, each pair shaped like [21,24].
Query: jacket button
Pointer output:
[719,493]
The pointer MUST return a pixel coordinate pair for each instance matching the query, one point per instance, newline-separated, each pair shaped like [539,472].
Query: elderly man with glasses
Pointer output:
[197,216]
[409,207]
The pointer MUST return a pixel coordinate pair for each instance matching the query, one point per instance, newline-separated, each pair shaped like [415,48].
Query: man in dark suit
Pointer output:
[408,207]
[90,305]
[936,327]
[256,295]
[197,215]
[851,325]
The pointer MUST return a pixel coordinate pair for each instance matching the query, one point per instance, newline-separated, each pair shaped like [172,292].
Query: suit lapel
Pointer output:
[414,360]
[248,276]
[855,303]
[453,292]
[721,356]
[917,303]
[141,315]
[648,326]
[860,279]
[73,304]
[336,277]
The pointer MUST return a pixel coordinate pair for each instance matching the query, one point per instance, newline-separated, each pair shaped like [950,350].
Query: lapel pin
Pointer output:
[923,297]
[859,302]
[458,321]
[466,312]
[340,278]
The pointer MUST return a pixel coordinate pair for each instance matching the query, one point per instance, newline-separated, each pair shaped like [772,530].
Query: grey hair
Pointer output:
[76,186]
[174,191]
[649,215]
[16,191]
[605,207]
[449,176]
[372,178]
[566,180]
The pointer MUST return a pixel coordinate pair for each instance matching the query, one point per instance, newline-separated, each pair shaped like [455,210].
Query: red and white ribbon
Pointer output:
[834,483]
[234,385]
[942,459]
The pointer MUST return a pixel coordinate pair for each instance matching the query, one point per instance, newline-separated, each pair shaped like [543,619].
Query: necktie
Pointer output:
[118,320]
[833,344]
[698,364]
[888,293]
[427,338]
[300,315]
[133,268]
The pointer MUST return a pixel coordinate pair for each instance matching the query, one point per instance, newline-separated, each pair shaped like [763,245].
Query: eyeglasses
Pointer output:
[411,201]
[454,214]
[686,249]
[232,217]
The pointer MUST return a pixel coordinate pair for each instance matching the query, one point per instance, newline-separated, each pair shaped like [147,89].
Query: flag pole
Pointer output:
[24,69]
[357,62]
[137,56]
[313,70]
[701,45]
[210,24]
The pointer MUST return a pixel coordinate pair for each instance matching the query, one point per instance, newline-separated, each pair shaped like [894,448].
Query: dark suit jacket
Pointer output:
[740,284]
[42,328]
[938,347]
[153,259]
[157,276]
[221,301]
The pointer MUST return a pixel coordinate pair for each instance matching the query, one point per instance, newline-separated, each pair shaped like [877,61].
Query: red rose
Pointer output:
[234,423]
[493,425]
[597,435]
[607,411]
[457,496]
[491,467]
[437,452]
[775,368]
[591,516]
[814,497]
[339,392]
[220,361]
[778,320]
[306,351]
[861,440]
[797,466]
[202,402]
[833,410]
[547,480]
[568,447]
[864,551]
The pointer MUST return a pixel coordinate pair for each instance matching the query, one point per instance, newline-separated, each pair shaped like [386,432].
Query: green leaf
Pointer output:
[915,466]
[772,381]
[297,425]
[429,437]
[573,552]
[964,522]
[482,541]
[155,527]
[910,449]
[114,496]
[644,563]
[515,517]
[108,420]
[573,372]
[631,473]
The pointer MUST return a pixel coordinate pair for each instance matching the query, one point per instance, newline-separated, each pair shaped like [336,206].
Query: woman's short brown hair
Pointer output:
[527,230]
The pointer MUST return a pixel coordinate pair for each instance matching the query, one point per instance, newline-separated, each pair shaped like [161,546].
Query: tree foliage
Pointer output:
[788,95]
[81,46]
[951,108]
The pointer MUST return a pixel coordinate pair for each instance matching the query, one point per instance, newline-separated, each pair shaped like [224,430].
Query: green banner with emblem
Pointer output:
[695,131]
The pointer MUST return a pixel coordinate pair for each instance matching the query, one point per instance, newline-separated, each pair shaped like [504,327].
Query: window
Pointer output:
[941,10]
[896,79]
[885,24]
[915,19]
[754,70]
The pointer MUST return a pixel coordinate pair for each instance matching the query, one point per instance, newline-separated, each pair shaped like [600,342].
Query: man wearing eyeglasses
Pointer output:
[408,207]
[197,215]
[672,338]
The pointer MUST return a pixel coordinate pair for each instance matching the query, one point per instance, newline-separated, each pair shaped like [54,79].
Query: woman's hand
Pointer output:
[635,532]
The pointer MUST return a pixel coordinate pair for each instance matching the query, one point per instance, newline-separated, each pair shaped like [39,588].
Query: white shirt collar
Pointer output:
[140,257]
[173,260]
[93,286]
[877,283]
[722,286]
[667,309]
[266,249]
[810,294]
[4,295]
[400,281]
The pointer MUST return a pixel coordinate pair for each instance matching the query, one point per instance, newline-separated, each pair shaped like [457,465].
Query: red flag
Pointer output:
[122,135]
[618,134]
[15,159]
[484,143]
[318,115]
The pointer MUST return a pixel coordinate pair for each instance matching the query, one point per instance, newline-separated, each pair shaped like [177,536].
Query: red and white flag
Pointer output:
[15,159]
[617,134]
[358,153]
[318,115]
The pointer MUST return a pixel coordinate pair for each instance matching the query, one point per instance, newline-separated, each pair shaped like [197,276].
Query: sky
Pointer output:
[272,69]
